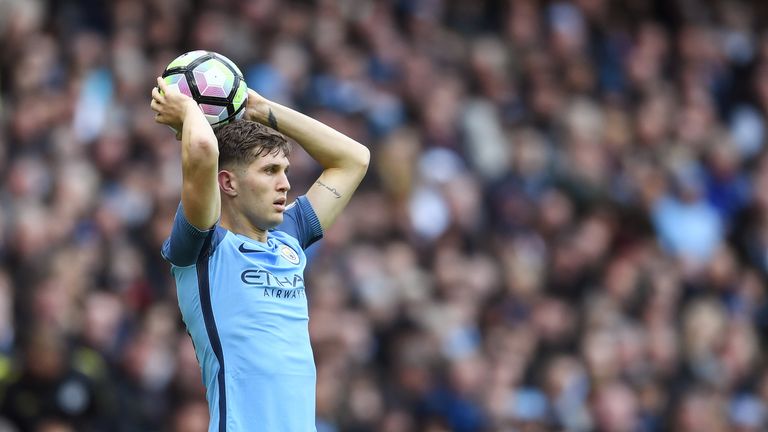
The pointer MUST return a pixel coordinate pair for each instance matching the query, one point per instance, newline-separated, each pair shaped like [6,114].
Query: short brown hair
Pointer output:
[242,141]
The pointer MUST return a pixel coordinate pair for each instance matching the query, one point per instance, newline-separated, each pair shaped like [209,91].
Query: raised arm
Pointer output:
[343,159]
[199,154]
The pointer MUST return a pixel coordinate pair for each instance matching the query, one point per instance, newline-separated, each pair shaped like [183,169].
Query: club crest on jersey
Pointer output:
[289,254]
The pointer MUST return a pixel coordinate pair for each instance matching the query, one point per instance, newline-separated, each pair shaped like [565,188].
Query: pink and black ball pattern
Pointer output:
[213,81]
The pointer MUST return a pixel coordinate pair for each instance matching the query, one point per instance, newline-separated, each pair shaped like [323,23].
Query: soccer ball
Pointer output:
[213,81]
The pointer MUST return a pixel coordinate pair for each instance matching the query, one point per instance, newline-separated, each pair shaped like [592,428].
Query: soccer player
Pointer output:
[237,253]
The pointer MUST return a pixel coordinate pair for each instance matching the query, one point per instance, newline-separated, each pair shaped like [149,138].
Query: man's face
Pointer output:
[262,190]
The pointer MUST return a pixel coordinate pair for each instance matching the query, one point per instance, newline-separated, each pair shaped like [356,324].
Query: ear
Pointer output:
[228,183]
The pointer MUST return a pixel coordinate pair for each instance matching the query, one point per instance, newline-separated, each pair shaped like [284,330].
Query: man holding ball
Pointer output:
[237,254]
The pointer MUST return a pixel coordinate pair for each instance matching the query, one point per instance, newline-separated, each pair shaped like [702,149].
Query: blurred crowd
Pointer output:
[564,227]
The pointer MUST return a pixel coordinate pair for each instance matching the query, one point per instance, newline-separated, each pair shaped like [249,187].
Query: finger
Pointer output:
[156,94]
[162,85]
[154,105]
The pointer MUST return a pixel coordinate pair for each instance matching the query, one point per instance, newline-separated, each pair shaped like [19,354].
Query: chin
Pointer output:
[272,223]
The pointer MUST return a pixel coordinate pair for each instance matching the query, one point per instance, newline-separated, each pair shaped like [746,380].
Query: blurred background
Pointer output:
[564,226]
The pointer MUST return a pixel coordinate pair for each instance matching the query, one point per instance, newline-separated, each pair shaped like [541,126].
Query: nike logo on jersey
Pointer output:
[244,249]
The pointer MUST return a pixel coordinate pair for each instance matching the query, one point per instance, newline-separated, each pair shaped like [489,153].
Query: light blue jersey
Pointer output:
[244,305]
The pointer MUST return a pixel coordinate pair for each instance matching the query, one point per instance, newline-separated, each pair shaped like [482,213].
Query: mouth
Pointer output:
[279,204]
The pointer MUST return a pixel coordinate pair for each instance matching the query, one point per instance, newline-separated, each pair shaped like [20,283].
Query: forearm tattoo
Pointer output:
[272,120]
[330,189]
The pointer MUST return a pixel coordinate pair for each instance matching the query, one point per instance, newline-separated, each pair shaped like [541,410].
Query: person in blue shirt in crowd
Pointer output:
[237,254]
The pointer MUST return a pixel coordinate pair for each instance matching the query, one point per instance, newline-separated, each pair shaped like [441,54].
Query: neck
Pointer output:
[237,223]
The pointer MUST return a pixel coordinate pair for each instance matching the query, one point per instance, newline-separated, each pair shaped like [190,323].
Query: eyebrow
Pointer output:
[276,165]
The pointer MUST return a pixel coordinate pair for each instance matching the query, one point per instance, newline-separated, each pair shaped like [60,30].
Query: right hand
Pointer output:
[170,106]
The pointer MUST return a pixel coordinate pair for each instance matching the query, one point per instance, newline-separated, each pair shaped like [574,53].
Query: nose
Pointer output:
[283,185]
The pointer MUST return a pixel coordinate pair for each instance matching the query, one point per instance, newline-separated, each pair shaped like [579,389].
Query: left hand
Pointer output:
[257,108]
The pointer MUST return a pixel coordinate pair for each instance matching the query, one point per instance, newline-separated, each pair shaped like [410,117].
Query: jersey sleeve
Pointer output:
[183,246]
[301,222]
